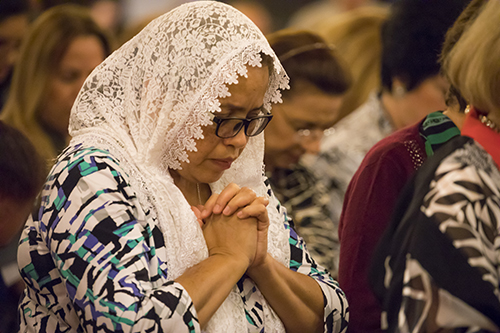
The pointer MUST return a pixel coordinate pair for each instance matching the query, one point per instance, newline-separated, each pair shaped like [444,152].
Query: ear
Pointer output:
[398,88]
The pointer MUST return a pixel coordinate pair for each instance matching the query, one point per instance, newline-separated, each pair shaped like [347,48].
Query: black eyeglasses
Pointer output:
[230,127]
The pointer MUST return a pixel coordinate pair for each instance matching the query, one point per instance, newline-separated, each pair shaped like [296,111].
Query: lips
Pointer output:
[223,163]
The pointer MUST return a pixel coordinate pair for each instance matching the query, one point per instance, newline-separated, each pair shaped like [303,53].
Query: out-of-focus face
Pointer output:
[429,96]
[308,111]
[12,31]
[214,155]
[82,56]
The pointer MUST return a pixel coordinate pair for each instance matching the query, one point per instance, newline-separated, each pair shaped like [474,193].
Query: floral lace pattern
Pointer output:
[147,103]
[159,88]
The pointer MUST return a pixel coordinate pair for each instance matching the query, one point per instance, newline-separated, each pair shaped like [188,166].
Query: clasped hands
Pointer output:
[235,224]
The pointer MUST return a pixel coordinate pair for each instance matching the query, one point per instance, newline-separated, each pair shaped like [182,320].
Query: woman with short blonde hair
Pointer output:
[473,63]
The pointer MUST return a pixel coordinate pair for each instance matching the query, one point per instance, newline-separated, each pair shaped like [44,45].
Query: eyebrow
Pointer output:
[233,108]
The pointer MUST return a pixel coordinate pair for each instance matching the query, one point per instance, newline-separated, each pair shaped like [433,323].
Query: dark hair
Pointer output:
[10,8]
[22,170]
[307,58]
[465,19]
[412,38]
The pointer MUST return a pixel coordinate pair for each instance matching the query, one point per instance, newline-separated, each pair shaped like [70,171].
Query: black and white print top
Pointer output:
[307,201]
[438,265]
[94,261]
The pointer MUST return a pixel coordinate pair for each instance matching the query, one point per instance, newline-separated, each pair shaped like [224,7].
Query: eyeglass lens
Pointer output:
[231,127]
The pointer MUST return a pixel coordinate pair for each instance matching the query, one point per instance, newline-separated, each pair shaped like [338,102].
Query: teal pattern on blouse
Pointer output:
[94,260]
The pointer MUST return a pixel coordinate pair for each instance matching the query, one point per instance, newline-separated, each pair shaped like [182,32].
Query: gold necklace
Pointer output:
[199,194]
[484,120]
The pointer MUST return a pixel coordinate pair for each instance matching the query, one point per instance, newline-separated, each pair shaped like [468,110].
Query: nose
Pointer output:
[312,142]
[238,141]
[312,146]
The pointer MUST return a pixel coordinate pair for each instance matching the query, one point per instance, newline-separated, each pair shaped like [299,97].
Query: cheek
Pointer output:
[59,96]
[204,147]
[56,107]
[433,95]
[435,101]
[426,100]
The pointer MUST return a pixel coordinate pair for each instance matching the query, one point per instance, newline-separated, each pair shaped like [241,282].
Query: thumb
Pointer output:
[197,212]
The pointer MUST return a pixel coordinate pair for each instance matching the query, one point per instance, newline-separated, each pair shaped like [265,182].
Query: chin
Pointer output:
[211,178]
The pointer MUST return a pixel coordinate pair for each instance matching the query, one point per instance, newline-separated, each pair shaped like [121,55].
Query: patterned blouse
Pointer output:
[307,200]
[438,264]
[94,260]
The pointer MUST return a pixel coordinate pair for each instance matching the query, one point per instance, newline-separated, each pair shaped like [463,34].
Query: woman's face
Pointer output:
[429,96]
[82,56]
[214,155]
[308,109]
[12,31]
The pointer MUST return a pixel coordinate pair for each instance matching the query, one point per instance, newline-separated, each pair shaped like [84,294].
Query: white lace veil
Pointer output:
[147,103]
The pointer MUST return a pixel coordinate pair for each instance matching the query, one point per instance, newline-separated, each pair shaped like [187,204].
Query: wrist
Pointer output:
[238,262]
[262,268]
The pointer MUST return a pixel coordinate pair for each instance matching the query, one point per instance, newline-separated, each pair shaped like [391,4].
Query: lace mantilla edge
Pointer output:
[158,89]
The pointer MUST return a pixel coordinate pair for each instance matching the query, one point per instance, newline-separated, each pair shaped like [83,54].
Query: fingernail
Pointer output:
[217,209]
[226,211]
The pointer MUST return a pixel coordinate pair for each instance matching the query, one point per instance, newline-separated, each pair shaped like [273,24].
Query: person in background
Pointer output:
[22,173]
[14,22]
[108,14]
[437,266]
[319,79]
[412,87]
[311,16]
[157,216]
[135,12]
[378,183]
[62,47]
[255,11]
[356,35]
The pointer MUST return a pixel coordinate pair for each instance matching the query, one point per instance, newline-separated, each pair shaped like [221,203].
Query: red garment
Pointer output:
[482,134]
[368,205]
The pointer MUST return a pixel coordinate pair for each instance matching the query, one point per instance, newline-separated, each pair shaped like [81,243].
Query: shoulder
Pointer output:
[404,147]
[82,173]
[359,131]
[468,168]
[85,161]
[461,177]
